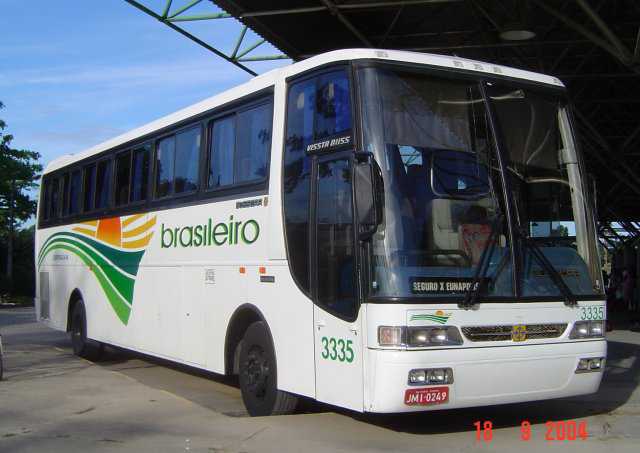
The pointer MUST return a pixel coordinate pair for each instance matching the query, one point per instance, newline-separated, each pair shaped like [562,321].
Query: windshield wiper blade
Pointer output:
[473,293]
[569,299]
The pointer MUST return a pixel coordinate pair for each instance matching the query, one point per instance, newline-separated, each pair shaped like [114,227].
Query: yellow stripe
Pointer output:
[142,242]
[129,220]
[86,231]
[139,230]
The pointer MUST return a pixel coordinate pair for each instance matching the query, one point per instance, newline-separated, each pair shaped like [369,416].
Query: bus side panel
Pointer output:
[289,314]
[225,289]
[62,270]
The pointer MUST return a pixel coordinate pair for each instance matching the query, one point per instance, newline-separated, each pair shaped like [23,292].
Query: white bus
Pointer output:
[379,230]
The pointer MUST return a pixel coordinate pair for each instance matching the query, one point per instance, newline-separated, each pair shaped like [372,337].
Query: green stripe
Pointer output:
[128,261]
[122,283]
[435,318]
[117,286]
[119,306]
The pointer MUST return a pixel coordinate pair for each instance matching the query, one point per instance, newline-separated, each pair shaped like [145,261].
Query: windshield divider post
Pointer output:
[506,189]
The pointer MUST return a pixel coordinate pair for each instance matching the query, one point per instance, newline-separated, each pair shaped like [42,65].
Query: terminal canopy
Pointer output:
[592,46]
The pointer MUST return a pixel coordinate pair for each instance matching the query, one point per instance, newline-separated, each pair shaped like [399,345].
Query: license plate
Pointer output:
[426,396]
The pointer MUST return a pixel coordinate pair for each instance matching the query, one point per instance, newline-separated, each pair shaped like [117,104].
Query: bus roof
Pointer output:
[270,78]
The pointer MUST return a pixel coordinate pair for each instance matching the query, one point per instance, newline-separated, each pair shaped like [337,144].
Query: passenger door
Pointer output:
[337,329]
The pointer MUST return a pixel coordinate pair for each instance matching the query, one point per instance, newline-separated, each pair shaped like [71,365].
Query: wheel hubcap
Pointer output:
[76,334]
[257,372]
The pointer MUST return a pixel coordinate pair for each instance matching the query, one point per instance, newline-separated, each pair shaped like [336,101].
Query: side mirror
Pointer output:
[368,194]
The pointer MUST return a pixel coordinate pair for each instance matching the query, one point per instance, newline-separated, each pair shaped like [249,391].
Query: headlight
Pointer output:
[419,337]
[433,336]
[587,329]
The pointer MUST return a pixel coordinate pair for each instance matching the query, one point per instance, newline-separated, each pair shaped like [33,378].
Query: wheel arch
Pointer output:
[74,298]
[242,318]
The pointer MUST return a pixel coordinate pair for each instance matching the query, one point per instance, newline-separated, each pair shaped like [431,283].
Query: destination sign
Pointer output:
[441,285]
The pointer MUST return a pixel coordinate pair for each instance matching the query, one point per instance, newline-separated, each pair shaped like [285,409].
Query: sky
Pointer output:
[74,73]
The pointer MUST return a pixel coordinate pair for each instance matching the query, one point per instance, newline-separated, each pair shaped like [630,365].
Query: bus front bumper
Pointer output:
[483,376]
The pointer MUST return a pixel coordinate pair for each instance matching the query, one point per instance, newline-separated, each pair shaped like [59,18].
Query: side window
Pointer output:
[317,108]
[123,176]
[55,199]
[187,159]
[240,147]
[103,184]
[74,192]
[89,187]
[65,194]
[46,199]
[333,105]
[140,178]
[165,154]
[223,143]
[177,159]
[253,142]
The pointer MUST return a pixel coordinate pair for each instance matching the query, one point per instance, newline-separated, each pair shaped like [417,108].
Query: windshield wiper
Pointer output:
[569,299]
[473,293]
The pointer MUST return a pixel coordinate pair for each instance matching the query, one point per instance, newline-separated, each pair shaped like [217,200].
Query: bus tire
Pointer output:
[258,375]
[82,346]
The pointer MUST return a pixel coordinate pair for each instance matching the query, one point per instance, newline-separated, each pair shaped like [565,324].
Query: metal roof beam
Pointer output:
[627,176]
[622,49]
[345,7]
[630,139]
[605,44]
[184,8]
[237,56]
[347,23]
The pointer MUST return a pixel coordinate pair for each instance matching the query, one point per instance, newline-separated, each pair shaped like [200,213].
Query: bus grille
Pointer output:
[503,333]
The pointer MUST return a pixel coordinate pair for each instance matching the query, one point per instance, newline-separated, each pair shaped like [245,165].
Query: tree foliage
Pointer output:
[19,175]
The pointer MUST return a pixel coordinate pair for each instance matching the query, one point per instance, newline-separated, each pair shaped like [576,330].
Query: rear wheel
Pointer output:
[259,375]
[82,346]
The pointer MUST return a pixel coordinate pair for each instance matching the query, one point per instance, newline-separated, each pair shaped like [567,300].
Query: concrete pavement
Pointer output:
[52,401]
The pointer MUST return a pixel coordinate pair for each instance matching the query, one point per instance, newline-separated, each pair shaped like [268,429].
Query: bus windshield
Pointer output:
[444,226]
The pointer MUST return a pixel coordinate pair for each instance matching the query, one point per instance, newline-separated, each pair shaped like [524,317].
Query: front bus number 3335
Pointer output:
[339,349]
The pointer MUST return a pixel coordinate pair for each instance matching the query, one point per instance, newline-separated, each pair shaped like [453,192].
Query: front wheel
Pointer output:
[82,346]
[259,375]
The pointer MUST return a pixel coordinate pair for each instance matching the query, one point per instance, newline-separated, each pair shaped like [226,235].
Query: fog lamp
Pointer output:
[439,375]
[590,365]
[431,376]
[583,365]
[595,364]
[417,377]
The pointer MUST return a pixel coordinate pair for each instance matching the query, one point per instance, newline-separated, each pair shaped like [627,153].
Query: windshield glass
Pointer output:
[443,195]
[548,191]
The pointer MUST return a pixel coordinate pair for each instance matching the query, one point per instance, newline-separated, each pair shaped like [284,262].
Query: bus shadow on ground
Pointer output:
[621,377]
